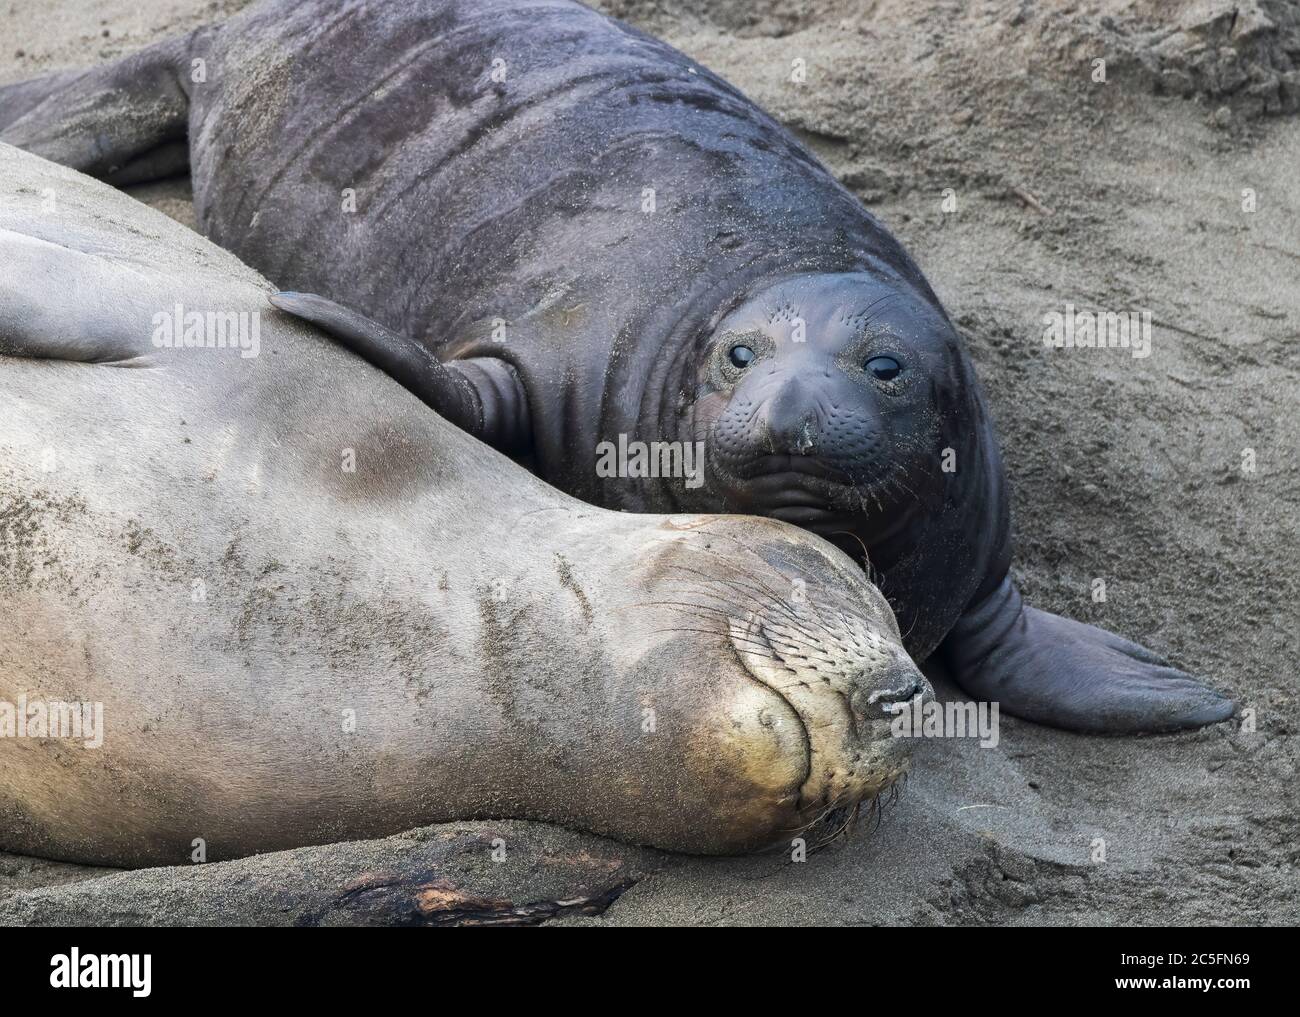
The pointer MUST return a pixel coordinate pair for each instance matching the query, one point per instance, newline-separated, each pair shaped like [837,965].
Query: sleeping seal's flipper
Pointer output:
[481,395]
[1066,674]
[64,299]
[97,316]
[124,122]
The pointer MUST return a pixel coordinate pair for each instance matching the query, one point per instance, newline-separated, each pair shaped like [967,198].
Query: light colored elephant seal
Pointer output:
[308,609]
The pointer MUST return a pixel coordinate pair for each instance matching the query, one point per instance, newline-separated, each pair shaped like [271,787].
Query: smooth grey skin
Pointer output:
[183,544]
[531,171]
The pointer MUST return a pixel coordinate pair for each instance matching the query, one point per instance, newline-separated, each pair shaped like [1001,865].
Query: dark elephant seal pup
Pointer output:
[308,609]
[587,238]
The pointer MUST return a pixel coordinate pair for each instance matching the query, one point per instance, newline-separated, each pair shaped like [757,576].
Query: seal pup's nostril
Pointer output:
[789,422]
[805,440]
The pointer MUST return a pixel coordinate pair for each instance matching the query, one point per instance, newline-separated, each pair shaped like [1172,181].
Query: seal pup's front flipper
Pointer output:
[124,122]
[1064,673]
[481,395]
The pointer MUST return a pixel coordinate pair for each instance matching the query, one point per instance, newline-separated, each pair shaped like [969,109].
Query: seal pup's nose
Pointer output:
[789,421]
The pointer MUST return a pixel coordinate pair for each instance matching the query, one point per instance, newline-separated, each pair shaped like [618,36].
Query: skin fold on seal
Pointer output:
[312,610]
[560,233]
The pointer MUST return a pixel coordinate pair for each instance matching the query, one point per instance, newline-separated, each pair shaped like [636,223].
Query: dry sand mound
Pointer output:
[1169,186]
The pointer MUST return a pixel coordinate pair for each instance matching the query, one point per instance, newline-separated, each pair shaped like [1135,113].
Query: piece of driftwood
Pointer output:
[457,874]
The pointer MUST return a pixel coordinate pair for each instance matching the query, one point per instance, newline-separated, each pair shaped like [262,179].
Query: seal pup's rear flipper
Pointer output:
[481,395]
[19,99]
[124,122]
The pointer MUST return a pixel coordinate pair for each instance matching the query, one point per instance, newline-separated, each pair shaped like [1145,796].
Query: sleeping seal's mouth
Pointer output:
[843,686]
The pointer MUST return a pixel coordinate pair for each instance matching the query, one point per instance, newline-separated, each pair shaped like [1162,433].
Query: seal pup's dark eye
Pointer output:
[740,356]
[884,368]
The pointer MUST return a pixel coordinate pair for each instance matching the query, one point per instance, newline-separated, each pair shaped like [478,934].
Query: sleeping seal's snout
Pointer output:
[803,711]
[842,669]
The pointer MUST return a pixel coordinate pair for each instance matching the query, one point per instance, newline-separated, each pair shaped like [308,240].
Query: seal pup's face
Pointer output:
[818,401]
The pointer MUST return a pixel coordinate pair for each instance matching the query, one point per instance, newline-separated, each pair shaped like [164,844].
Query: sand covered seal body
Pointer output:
[308,609]
[562,233]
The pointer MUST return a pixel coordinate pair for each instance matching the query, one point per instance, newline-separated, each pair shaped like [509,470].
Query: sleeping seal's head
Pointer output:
[821,402]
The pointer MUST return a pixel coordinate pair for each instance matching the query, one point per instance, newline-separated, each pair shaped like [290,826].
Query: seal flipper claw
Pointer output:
[481,395]
[1067,674]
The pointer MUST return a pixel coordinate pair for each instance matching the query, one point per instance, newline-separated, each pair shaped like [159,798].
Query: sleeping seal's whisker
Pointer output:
[748,574]
[768,599]
[710,632]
